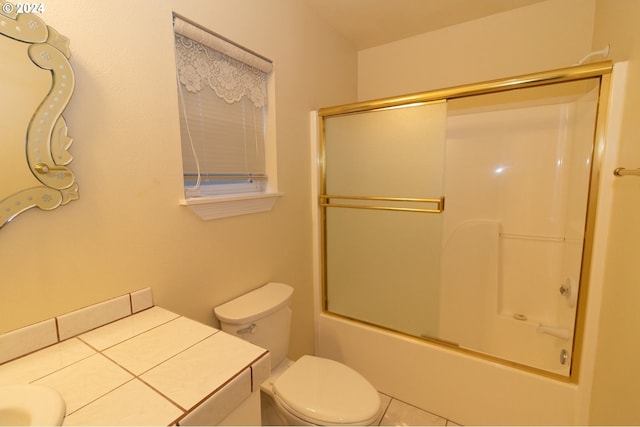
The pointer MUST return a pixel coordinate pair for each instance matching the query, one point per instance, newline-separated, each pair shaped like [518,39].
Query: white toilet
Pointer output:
[310,391]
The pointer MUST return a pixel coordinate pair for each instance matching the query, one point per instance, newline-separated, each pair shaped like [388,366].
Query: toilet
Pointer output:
[310,391]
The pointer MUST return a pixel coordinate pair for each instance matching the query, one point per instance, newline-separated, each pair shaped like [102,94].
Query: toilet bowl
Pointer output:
[320,391]
[310,391]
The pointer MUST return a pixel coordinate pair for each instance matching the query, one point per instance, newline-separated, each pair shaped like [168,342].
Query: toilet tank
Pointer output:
[262,317]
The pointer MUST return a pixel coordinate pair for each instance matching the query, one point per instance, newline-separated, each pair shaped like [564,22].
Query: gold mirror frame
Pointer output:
[46,140]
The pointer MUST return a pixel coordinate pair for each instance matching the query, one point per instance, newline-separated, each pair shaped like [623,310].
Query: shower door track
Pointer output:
[578,72]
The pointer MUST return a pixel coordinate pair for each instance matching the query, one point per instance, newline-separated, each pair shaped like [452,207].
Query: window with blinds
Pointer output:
[222,92]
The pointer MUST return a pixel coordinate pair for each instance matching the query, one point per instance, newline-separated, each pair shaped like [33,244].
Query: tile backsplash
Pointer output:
[28,339]
[31,338]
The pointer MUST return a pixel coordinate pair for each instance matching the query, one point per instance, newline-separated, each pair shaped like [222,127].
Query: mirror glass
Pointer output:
[36,83]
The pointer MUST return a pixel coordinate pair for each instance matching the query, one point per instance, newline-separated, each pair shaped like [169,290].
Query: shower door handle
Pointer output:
[399,204]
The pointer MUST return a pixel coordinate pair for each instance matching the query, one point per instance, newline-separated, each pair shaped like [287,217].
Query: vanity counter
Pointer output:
[153,367]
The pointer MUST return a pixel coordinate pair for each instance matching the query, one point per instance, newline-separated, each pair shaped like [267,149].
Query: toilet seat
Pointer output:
[325,392]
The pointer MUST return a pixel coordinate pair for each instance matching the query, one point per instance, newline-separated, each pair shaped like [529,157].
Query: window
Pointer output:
[223,108]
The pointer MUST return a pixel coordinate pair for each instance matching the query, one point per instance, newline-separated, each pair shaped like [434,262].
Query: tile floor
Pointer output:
[398,413]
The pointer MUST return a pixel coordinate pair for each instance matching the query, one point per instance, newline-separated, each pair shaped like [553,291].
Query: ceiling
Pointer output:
[368,23]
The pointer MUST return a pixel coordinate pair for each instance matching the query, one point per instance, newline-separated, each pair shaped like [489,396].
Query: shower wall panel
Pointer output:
[520,163]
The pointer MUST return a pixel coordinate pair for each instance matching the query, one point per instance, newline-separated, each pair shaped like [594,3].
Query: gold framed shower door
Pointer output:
[600,70]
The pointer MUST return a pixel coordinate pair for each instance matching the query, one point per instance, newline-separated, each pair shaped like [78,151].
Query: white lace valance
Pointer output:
[199,66]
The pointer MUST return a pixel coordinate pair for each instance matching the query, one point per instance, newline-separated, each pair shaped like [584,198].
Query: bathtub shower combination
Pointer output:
[464,216]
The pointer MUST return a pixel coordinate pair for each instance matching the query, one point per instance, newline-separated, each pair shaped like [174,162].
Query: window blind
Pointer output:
[225,139]
[223,103]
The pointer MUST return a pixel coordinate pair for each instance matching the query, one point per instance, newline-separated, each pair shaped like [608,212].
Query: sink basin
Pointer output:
[30,405]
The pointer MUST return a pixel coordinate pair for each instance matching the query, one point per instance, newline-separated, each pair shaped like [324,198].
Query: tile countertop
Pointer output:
[151,368]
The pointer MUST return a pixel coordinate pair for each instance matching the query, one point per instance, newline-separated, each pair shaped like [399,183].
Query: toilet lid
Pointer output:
[322,391]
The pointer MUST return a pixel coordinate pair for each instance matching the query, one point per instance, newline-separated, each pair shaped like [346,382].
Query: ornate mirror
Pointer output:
[36,83]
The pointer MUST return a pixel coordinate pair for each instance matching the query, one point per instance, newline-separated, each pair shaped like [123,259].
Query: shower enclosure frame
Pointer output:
[599,70]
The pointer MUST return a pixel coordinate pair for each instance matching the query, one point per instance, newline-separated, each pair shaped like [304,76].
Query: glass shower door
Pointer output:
[502,274]
[383,202]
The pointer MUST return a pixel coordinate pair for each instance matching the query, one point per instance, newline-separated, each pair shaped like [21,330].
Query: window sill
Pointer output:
[215,207]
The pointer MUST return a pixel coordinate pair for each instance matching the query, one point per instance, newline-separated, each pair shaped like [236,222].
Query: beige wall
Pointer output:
[127,230]
[543,36]
[616,383]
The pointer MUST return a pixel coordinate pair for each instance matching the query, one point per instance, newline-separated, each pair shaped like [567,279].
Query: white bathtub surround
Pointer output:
[153,367]
[456,386]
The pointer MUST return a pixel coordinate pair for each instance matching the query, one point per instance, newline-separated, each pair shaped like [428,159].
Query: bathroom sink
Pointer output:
[30,405]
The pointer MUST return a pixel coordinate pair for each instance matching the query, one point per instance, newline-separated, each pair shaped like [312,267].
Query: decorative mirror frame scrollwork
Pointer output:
[47,143]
